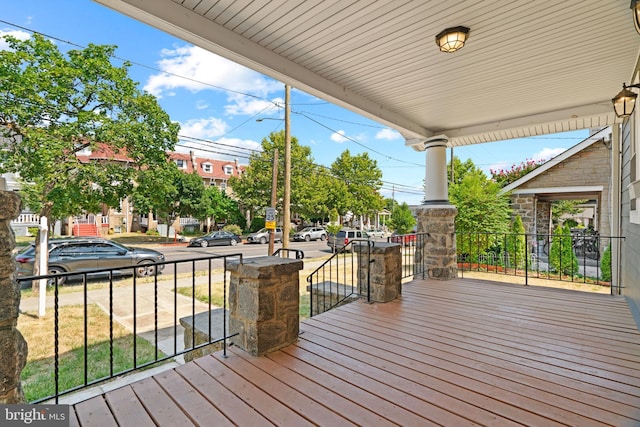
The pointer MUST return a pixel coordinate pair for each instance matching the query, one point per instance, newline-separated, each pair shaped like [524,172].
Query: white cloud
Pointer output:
[21,35]
[204,128]
[195,69]
[339,137]
[202,104]
[252,106]
[388,134]
[547,153]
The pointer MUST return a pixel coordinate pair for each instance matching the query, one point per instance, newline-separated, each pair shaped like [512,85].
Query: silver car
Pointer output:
[311,233]
[344,237]
[262,236]
[86,254]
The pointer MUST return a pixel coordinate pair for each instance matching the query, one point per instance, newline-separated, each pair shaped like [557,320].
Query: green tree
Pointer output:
[334,225]
[54,106]
[217,206]
[253,188]
[363,181]
[561,255]
[402,220]
[565,207]
[481,209]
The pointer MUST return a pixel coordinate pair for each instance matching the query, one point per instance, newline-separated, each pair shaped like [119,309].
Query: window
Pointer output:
[223,186]
[207,167]
[181,163]
[228,170]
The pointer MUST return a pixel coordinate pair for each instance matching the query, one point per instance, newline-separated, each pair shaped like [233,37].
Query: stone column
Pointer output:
[264,303]
[381,267]
[13,348]
[436,249]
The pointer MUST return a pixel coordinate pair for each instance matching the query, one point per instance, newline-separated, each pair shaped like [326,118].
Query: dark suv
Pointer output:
[85,254]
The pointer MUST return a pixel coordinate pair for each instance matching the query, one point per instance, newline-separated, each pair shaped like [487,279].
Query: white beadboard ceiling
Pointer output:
[529,67]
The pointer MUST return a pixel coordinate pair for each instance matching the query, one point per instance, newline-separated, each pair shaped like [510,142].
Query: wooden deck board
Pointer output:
[462,352]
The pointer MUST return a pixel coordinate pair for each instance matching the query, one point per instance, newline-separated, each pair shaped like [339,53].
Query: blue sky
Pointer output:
[217,102]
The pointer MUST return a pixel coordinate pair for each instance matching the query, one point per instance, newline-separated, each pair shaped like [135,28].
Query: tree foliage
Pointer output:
[362,179]
[515,244]
[480,207]
[253,188]
[402,220]
[504,177]
[53,106]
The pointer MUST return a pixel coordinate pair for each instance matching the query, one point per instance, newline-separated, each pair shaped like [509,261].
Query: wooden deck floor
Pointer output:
[464,352]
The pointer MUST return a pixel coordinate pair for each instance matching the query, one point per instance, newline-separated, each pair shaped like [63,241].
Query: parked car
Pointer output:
[405,239]
[85,254]
[376,232]
[262,236]
[343,237]
[216,238]
[311,233]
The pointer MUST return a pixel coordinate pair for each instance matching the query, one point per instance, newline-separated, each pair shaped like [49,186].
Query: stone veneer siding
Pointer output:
[439,244]
[13,348]
[264,300]
[380,266]
[589,167]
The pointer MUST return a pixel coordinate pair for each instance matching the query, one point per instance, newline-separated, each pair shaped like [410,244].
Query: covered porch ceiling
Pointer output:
[528,68]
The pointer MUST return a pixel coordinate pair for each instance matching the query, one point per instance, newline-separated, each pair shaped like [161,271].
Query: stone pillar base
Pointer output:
[437,250]
[13,348]
[264,303]
[382,269]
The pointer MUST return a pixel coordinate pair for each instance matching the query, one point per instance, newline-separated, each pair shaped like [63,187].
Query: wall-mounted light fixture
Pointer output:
[635,9]
[452,39]
[625,101]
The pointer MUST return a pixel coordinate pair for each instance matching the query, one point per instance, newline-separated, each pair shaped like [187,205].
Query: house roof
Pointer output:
[217,170]
[597,136]
[528,68]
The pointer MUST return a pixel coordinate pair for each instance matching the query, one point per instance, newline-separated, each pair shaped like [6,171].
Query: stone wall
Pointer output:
[13,348]
[380,266]
[439,245]
[264,301]
[525,206]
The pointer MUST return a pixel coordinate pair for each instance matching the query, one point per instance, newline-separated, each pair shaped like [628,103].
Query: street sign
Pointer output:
[270,219]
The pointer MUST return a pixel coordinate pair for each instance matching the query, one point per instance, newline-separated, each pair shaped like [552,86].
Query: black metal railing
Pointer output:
[578,256]
[286,253]
[413,253]
[120,293]
[343,278]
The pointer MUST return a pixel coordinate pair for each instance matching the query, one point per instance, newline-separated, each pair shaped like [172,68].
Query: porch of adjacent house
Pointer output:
[459,352]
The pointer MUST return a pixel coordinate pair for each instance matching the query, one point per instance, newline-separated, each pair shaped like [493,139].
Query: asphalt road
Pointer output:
[180,252]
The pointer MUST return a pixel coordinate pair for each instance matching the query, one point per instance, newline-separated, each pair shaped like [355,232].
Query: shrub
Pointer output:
[256,224]
[515,244]
[561,256]
[152,232]
[233,228]
[605,265]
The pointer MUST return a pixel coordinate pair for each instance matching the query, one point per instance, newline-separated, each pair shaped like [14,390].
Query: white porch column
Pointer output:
[435,182]
[436,245]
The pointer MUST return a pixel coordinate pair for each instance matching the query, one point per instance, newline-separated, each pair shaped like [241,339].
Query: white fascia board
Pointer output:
[181,22]
[561,190]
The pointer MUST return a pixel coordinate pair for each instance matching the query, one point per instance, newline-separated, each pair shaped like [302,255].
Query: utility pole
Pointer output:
[286,204]
[274,191]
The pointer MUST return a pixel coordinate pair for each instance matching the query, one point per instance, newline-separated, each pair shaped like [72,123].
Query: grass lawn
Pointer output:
[38,379]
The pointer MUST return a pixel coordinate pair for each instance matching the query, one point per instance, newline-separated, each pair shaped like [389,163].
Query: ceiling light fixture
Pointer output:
[452,39]
[635,8]
[625,101]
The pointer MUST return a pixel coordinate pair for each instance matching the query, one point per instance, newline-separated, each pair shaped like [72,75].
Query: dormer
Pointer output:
[228,169]
[207,167]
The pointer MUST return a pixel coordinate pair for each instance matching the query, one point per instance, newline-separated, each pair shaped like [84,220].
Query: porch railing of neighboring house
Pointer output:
[27,218]
[340,280]
[577,257]
[147,302]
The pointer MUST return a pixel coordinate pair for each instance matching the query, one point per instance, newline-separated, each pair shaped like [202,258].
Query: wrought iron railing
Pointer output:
[576,257]
[412,252]
[341,279]
[120,292]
